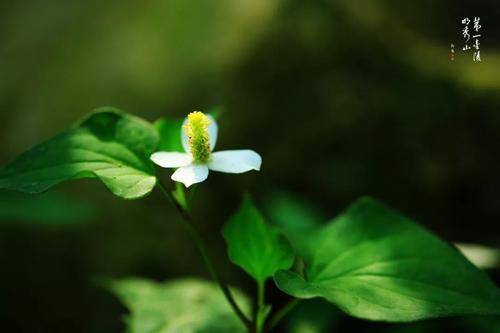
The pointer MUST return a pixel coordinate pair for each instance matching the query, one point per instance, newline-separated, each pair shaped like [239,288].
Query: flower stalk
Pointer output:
[261,307]
[182,208]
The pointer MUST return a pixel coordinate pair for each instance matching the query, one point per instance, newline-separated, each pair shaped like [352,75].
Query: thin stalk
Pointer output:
[259,322]
[282,313]
[260,293]
[195,234]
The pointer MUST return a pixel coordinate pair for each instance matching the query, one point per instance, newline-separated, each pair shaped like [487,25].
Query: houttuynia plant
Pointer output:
[370,261]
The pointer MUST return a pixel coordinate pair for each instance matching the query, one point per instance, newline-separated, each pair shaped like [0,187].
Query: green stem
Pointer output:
[261,291]
[259,322]
[195,234]
[283,312]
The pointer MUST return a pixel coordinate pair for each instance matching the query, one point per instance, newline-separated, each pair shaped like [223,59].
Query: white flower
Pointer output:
[198,135]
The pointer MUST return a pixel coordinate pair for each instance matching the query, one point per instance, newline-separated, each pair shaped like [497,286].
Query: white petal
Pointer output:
[184,138]
[191,174]
[171,159]
[213,131]
[235,161]
[212,134]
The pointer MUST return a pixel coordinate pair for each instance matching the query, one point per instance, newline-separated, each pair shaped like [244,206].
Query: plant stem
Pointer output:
[259,322]
[260,294]
[283,312]
[195,234]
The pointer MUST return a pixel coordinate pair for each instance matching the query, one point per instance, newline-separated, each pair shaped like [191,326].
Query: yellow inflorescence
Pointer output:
[196,130]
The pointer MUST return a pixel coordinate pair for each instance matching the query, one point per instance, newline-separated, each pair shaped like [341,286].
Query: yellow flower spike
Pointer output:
[196,130]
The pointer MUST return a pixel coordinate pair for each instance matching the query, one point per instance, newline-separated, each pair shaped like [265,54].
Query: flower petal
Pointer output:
[213,130]
[235,161]
[191,174]
[184,138]
[171,159]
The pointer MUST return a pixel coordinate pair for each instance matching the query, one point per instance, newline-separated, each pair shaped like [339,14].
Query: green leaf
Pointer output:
[185,305]
[376,264]
[255,245]
[109,145]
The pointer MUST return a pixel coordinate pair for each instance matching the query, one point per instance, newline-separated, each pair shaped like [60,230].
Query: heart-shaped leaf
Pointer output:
[108,144]
[255,245]
[376,264]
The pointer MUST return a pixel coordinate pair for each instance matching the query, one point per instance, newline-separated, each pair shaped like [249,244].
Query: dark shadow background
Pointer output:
[341,98]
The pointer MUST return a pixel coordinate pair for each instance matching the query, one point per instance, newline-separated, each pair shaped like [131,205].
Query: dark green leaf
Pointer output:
[184,305]
[376,264]
[255,245]
[108,144]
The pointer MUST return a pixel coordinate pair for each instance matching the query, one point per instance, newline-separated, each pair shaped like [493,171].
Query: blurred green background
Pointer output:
[341,98]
